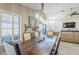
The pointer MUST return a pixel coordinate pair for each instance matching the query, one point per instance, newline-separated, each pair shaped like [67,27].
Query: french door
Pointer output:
[10,27]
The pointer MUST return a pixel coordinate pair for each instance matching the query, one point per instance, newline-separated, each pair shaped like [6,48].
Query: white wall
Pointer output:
[58,23]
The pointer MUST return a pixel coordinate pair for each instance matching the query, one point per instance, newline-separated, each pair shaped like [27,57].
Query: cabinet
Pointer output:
[70,36]
[76,37]
[67,36]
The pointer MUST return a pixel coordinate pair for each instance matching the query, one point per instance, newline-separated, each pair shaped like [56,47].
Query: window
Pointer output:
[41,29]
[50,25]
[10,27]
[16,28]
[6,26]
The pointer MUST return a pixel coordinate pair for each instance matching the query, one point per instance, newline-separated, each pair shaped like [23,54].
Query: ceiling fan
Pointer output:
[74,13]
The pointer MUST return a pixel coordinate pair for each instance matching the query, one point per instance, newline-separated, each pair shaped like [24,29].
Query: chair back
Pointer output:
[26,36]
[11,48]
[36,34]
[49,33]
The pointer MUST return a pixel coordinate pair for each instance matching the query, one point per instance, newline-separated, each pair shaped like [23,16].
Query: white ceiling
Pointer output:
[53,10]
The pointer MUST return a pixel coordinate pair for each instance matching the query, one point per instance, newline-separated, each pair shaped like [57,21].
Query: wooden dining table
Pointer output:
[35,47]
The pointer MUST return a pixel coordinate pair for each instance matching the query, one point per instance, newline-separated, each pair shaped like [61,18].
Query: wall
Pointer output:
[19,10]
[58,23]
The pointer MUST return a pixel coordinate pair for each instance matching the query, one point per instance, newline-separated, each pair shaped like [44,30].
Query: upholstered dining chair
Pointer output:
[11,48]
[49,33]
[26,36]
[36,34]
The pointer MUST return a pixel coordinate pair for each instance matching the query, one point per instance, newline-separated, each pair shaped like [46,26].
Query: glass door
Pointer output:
[9,27]
[6,27]
[0,30]
[16,26]
[40,29]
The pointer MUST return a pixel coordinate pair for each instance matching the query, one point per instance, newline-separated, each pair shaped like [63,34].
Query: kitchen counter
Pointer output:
[70,36]
[68,31]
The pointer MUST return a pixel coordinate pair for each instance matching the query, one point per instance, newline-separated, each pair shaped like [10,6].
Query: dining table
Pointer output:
[38,46]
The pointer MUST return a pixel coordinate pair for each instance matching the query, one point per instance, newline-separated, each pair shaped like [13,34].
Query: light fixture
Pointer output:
[39,13]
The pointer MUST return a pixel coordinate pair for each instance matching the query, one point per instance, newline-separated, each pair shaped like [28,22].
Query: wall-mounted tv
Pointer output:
[69,25]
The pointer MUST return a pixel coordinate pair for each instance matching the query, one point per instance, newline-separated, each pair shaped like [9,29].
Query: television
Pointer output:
[69,25]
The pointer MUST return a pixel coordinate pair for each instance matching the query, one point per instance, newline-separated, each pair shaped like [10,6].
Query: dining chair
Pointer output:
[11,48]
[50,34]
[36,34]
[26,36]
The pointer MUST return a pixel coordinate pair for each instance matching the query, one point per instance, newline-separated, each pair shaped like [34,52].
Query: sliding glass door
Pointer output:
[16,27]
[10,27]
[6,26]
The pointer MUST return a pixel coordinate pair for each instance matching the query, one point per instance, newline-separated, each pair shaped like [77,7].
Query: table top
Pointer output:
[31,47]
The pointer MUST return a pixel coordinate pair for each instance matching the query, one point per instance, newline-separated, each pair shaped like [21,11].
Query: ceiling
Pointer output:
[54,10]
